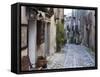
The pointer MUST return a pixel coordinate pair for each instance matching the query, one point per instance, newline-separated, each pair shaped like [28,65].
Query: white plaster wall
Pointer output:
[52,36]
[23,15]
[23,31]
[32,42]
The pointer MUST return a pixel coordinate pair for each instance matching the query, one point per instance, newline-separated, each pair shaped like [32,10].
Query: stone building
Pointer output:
[85,20]
[38,33]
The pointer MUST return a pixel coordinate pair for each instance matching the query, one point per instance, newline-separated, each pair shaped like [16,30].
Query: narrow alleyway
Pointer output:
[72,56]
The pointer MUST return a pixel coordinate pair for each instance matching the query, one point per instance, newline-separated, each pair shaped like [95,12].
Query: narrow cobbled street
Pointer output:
[72,56]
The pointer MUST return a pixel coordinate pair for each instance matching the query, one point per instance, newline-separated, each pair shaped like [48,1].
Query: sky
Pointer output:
[67,11]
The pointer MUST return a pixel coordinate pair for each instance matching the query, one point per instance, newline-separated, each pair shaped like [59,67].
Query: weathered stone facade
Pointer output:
[38,36]
[85,22]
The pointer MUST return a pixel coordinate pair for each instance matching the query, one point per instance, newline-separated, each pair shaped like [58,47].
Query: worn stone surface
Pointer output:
[72,56]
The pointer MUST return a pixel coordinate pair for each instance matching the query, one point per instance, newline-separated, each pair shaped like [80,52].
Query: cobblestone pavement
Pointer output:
[72,56]
[56,61]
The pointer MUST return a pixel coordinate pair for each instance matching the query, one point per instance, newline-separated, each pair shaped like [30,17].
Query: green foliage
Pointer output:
[59,36]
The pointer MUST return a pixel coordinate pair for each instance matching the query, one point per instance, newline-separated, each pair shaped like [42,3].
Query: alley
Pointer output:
[72,56]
